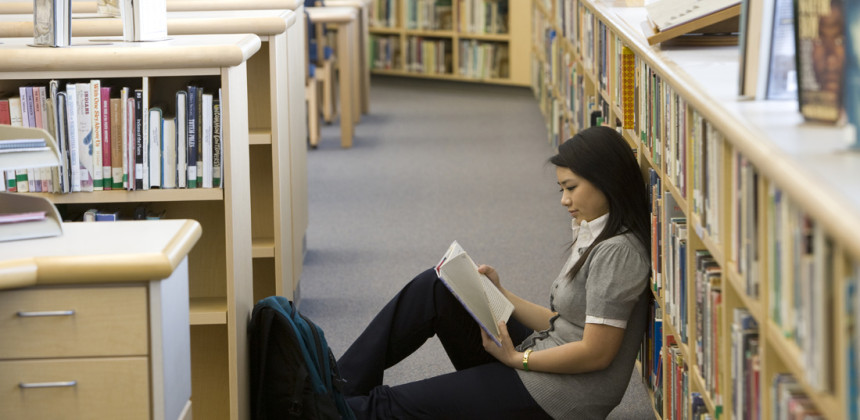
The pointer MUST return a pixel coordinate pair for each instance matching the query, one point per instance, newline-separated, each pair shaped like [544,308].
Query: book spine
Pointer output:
[107,140]
[127,133]
[130,140]
[206,145]
[138,139]
[181,139]
[216,142]
[5,116]
[74,142]
[154,154]
[116,142]
[85,136]
[96,121]
[63,139]
[168,153]
[199,136]
[191,130]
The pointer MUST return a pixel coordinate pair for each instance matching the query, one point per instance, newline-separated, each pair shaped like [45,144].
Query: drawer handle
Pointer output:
[49,384]
[23,314]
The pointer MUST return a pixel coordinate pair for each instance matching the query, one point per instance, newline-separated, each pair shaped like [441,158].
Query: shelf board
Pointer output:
[259,136]
[124,196]
[208,311]
[792,357]
[447,77]
[381,30]
[429,33]
[485,37]
[263,247]
[754,305]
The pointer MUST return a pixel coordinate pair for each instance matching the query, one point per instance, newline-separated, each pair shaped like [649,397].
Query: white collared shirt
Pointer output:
[584,235]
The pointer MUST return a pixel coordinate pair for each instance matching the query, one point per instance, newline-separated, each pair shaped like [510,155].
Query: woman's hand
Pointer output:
[506,354]
[492,274]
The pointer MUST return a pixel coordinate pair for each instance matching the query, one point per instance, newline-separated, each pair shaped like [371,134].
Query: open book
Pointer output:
[474,290]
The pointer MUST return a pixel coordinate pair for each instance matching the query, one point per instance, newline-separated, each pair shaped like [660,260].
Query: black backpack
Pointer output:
[293,371]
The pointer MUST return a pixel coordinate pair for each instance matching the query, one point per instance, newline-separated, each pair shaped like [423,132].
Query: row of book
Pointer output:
[428,55]
[384,52]
[483,60]
[801,285]
[383,13]
[430,15]
[483,16]
[110,138]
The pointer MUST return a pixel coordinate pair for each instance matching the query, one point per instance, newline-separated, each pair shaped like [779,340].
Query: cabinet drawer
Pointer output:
[103,388]
[69,322]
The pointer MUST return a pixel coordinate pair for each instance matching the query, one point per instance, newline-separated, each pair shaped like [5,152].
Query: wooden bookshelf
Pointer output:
[516,40]
[769,185]
[221,265]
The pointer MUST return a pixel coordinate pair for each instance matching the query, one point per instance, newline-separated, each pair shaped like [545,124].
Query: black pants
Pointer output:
[481,387]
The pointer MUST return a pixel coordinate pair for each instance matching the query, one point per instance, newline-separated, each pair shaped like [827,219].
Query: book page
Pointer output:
[475,291]
[669,13]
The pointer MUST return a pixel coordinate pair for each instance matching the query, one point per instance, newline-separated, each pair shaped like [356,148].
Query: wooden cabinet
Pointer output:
[97,329]
[221,276]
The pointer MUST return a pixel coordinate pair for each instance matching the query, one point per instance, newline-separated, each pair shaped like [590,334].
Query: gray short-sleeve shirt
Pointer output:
[611,284]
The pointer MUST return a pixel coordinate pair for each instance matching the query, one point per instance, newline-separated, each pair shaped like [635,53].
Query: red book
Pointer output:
[5,116]
[106,138]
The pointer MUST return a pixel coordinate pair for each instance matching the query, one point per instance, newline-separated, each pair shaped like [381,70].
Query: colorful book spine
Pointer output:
[85,136]
[138,139]
[116,142]
[74,141]
[97,133]
[216,142]
[107,141]
[628,69]
[191,131]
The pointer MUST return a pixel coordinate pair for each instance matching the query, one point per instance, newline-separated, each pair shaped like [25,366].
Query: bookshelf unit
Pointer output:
[755,213]
[400,31]
[221,265]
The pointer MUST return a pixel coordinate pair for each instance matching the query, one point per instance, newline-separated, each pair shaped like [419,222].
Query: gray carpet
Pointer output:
[435,161]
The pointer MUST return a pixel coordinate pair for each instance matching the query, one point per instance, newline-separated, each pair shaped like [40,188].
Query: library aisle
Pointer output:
[435,161]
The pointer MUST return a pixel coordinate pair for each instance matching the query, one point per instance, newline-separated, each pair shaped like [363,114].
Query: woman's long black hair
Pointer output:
[603,158]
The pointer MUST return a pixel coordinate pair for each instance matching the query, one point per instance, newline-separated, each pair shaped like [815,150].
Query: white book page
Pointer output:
[476,291]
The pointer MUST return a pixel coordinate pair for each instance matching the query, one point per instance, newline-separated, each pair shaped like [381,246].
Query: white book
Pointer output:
[168,153]
[125,126]
[144,20]
[144,113]
[181,139]
[85,136]
[481,298]
[74,143]
[96,121]
[154,155]
[206,137]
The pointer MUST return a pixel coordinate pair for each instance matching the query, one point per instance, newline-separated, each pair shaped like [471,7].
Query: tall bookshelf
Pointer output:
[221,266]
[755,216]
[465,40]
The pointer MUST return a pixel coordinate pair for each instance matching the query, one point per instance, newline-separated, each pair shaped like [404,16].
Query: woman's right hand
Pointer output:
[492,274]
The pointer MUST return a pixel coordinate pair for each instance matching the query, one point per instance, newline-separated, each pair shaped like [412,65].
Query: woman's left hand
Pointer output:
[506,354]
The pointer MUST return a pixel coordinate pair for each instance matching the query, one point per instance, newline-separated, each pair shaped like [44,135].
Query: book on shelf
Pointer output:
[117,142]
[181,139]
[205,173]
[820,59]
[217,144]
[138,139]
[144,20]
[97,133]
[479,296]
[52,24]
[107,141]
[85,135]
[168,152]
[152,153]
[851,93]
[192,144]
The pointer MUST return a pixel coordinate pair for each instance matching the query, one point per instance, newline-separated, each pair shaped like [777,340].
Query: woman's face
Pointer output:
[581,198]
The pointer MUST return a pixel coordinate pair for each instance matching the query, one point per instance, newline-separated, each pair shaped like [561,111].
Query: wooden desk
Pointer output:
[346,21]
[362,7]
[221,266]
[95,325]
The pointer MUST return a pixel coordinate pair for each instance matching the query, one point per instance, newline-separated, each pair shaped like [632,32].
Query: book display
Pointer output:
[469,40]
[755,217]
[222,265]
